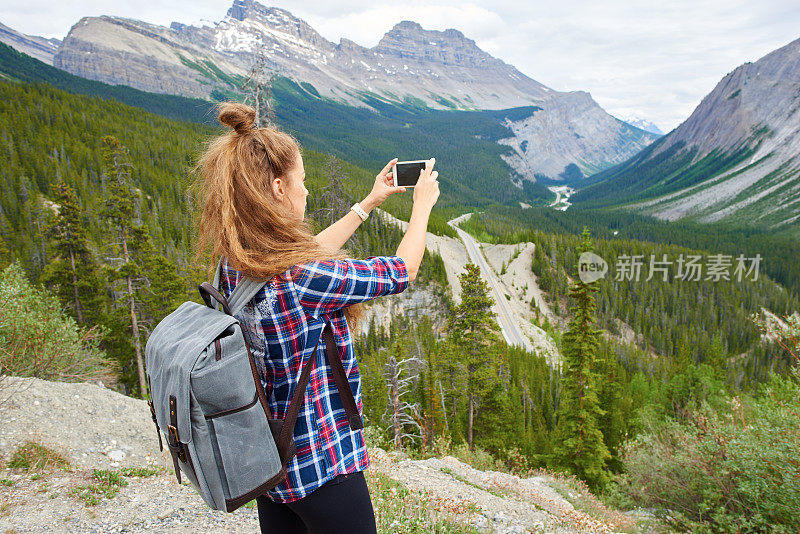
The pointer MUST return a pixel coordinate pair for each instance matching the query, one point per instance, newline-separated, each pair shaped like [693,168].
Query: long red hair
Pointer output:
[239,216]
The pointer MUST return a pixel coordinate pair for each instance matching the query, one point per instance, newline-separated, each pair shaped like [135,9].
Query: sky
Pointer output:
[638,58]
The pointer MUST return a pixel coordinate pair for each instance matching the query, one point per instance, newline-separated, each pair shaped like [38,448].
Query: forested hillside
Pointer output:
[61,200]
[510,224]
[17,66]
[696,319]
[468,158]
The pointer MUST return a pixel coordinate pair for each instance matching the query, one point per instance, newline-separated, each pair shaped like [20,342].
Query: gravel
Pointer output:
[97,428]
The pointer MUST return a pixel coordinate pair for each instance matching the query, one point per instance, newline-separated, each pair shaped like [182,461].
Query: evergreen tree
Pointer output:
[433,407]
[473,329]
[120,212]
[580,447]
[452,372]
[615,400]
[73,274]
[151,285]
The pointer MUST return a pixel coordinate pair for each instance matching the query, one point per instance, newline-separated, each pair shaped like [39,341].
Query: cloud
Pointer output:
[368,26]
[657,59]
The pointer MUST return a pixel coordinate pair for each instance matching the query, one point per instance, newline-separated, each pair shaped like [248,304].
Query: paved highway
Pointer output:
[506,319]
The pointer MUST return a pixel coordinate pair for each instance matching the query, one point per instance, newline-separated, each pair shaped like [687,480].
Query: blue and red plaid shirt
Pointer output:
[283,323]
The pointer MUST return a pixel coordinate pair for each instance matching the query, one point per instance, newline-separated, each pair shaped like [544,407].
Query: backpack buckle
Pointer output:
[174,443]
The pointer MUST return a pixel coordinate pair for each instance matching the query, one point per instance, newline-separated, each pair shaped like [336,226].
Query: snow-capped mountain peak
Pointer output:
[642,124]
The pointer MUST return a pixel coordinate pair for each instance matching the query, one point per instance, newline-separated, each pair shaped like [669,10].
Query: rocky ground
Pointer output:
[97,428]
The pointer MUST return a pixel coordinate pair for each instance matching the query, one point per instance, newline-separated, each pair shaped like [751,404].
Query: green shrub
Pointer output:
[38,339]
[478,458]
[725,470]
[374,436]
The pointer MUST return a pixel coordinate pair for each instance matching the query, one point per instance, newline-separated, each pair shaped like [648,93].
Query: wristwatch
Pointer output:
[361,213]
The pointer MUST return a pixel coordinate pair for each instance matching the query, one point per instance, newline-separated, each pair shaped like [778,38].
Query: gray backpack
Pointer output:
[205,390]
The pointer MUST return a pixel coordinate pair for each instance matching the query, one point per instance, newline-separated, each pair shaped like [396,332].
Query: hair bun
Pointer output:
[238,116]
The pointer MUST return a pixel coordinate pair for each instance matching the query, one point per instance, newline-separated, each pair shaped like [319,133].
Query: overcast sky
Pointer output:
[654,60]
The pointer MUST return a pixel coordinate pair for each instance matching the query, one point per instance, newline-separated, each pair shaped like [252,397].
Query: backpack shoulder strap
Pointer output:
[245,290]
[342,384]
[345,391]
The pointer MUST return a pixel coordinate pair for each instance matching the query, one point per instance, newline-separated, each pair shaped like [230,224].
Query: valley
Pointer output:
[550,406]
[559,190]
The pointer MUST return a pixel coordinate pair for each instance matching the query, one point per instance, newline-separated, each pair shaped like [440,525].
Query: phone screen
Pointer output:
[408,173]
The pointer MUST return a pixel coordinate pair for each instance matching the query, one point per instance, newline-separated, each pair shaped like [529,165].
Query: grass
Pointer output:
[141,472]
[108,484]
[32,456]
[399,510]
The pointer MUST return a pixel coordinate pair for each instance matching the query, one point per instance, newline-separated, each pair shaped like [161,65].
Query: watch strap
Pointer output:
[360,211]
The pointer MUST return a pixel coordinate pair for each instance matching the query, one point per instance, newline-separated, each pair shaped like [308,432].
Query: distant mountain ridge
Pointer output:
[735,159]
[41,48]
[643,124]
[410,66]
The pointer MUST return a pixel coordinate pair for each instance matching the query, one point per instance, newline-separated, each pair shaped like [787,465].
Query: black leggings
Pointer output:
[340,505]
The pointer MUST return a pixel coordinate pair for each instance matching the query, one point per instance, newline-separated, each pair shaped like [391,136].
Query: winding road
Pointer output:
[508,325]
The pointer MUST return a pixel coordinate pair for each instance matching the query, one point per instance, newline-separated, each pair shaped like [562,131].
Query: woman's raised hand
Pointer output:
[426,192]
[384,184]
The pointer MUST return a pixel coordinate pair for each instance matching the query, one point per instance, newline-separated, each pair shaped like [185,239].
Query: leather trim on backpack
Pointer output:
[286,451]
[234,410]
[233,504]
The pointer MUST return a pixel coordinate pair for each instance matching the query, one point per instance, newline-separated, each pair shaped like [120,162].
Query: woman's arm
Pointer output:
[337,234]
[412,247]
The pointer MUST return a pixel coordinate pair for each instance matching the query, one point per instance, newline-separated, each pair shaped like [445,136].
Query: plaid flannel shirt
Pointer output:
[283,323]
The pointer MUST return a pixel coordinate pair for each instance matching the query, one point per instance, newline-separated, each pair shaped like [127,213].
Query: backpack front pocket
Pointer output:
[239,432]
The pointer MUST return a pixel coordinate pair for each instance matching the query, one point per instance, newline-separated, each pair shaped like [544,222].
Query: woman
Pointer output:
[251,186]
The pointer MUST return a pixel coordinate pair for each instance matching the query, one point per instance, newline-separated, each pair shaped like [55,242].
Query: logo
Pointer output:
[591,267]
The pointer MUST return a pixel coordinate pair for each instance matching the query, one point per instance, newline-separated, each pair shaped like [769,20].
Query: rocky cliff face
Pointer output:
[755,110]
[755,96]
[39,47]
[440,69]
[571,129]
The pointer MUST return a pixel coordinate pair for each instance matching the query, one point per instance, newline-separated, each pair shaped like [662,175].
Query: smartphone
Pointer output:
[406,173]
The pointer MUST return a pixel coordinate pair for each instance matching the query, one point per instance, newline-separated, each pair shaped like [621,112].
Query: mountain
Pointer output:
[643,124]
[24,68]
[41,48]
[572,137]
[410,66]
[735,159]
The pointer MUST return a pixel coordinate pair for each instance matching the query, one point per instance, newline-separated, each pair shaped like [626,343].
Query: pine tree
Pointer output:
[151,284]
[579,442]
[435,418]
[73,273]
[473,329]
[119,211]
